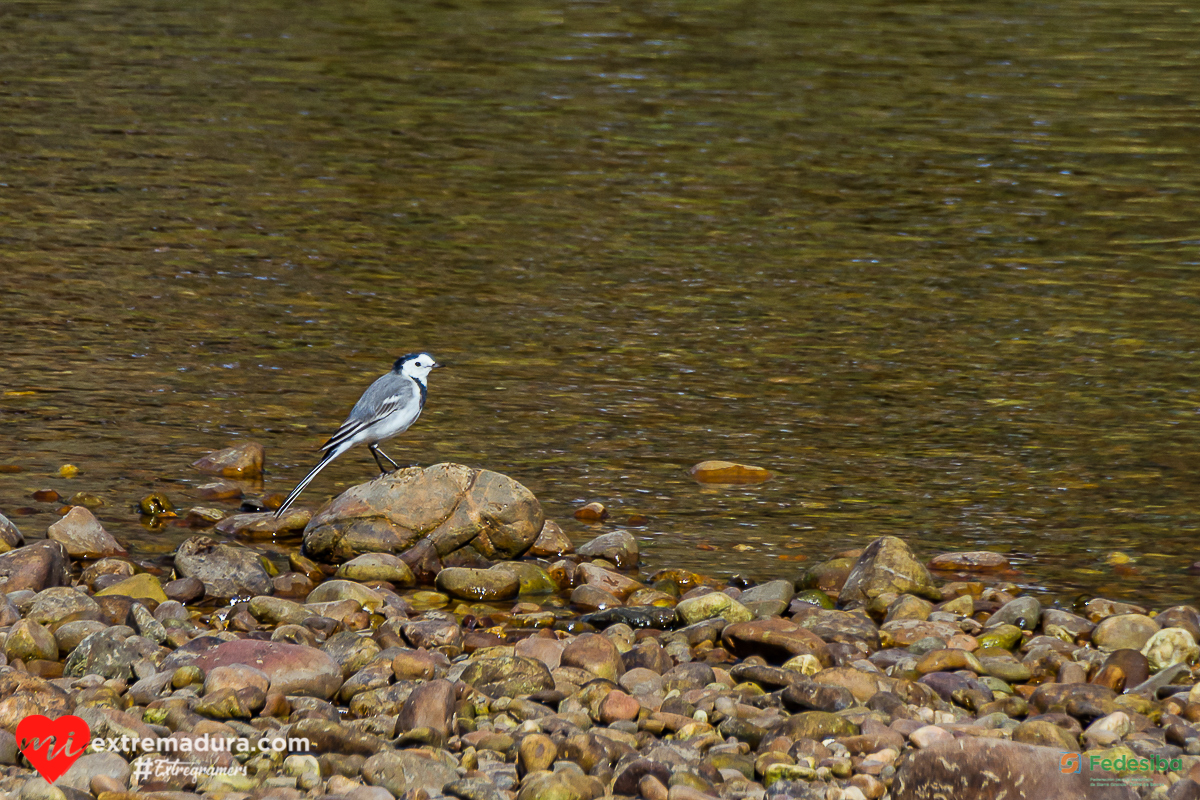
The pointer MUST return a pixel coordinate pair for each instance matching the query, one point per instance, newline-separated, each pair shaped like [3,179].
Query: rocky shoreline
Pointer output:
[437,637]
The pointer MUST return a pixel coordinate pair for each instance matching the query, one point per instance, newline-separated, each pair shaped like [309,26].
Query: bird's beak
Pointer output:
[437,366]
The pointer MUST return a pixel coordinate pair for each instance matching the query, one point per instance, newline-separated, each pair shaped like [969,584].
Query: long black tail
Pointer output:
[291,498]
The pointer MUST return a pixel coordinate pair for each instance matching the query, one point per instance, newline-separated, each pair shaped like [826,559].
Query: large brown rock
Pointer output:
[452,505]
[991,769]
[774,639]
[887,565]
[35,566]
[292,668]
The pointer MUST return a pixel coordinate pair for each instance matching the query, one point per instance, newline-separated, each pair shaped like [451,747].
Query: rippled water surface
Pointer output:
[935,265]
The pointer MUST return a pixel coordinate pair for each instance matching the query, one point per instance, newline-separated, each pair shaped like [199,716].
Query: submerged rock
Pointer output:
[453,506]
[728,472]
[240,461]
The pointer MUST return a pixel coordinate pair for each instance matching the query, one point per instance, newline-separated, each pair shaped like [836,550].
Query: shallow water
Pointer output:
[933,265]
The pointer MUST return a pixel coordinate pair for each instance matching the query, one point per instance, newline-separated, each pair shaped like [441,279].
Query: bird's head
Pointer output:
[416,365]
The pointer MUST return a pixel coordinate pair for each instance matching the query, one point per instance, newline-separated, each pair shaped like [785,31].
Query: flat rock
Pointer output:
[728,472]
[377,567]
[508,676]
[992,769]
[292,669]
[263,524]
[482,585]
[399,771]
[1124,631]
[143,586]
[969,561]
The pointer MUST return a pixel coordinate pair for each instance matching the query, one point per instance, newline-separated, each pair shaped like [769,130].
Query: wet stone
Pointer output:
[377,567]
[728,472]
[244,460]
[83,536]
[1023,612]
[10,535]
[620,547]
[484,585]
[633,616]
[551,542]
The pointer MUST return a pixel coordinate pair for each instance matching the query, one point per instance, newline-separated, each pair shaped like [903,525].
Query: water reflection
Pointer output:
[932,269]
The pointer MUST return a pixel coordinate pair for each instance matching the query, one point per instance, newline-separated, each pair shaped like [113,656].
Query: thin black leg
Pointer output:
[375,451]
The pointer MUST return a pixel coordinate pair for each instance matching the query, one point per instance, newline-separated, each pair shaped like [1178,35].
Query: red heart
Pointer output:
[52,745]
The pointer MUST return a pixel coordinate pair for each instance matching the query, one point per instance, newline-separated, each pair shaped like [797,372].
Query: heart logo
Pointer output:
[52,745]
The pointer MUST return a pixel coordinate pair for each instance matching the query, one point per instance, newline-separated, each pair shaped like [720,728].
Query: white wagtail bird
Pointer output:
[387,408]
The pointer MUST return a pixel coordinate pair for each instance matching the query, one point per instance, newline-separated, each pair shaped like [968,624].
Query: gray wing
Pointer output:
[381,398]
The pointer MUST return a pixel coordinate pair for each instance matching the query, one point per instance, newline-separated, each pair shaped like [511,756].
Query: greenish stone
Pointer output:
[1003,636]
[815,597]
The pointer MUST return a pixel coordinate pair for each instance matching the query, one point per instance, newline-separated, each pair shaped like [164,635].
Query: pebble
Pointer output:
[509,683]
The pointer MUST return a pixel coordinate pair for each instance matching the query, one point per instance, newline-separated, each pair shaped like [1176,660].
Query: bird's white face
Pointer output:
[419,366]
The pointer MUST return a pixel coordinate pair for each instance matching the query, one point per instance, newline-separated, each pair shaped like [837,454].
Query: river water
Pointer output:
[933,264]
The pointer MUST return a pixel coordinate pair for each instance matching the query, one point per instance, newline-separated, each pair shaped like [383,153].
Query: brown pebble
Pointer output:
[292,584]
[185,590]
[46,496]
[50,670]
[617,706]
[536,752]
[105,783]
[871,787]
[1070,672]
[276,705]
[651,788]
